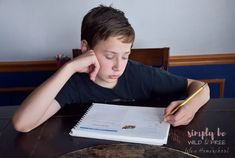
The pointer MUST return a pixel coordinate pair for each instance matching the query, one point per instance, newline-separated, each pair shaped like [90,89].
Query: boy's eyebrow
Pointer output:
[115,52]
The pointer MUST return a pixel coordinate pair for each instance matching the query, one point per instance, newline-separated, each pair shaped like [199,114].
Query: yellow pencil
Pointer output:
[187,99]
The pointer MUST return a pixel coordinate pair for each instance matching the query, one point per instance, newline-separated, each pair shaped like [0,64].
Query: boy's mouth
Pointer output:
[114,76]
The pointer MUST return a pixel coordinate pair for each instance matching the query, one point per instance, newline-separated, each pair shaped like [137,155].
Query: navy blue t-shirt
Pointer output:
[138,82]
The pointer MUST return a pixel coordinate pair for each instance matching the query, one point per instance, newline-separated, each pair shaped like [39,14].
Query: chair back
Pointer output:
[217,81]
[157,57]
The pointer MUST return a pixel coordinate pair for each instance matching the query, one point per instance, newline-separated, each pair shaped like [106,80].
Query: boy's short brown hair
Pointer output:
[105,21]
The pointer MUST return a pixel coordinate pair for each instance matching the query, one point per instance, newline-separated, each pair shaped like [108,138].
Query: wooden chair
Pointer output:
[158,57]
[220,82]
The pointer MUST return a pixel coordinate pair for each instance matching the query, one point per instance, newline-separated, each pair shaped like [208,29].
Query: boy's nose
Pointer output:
[117,66]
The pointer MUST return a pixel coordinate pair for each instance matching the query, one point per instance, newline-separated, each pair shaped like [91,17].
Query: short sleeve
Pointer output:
[167,84]
[69,93]
[150,82]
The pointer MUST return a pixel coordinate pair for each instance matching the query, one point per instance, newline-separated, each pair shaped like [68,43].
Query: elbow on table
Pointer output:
[19,125]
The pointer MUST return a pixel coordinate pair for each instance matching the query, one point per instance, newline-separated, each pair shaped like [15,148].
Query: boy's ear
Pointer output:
[84,46]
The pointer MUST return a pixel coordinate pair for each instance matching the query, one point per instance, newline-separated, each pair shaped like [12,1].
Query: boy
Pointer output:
[104,73]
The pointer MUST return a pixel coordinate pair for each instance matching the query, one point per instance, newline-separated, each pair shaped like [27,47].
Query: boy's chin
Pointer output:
[108,83]
[111,81]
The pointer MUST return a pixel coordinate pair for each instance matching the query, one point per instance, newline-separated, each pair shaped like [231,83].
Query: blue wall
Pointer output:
[226,71]
[195,72]
[20,79]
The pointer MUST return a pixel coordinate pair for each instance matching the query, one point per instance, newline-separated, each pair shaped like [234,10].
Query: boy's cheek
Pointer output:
[106,67]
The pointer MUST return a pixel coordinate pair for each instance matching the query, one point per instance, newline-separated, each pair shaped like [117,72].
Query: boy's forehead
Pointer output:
[114,44]
[116,38]
[119,40]
[116,52]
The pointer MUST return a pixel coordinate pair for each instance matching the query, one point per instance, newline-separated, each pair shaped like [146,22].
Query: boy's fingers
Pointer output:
[180,114]
[171,106]
[182,121]
[174,118]
[94,67]
[179,120]
[168,118]
[182,117]
[94,71]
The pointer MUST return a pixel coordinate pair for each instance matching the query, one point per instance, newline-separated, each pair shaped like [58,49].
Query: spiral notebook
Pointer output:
[123,123]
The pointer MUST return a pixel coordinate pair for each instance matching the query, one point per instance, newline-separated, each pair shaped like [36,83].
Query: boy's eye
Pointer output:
[109,56]
[125,57]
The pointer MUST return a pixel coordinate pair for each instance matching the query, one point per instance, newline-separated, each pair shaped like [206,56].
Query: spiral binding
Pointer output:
[75,128]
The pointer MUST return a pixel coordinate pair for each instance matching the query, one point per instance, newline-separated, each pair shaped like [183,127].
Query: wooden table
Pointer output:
[210,134]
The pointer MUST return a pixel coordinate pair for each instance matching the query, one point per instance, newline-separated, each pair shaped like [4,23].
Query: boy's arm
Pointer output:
[52,109]
[41,103]
[186,113]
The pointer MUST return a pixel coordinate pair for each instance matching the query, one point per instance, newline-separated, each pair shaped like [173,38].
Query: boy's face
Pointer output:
[112,55]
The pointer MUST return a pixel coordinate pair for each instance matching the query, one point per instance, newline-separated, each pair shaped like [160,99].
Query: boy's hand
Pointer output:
[182,117]
[87,63]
